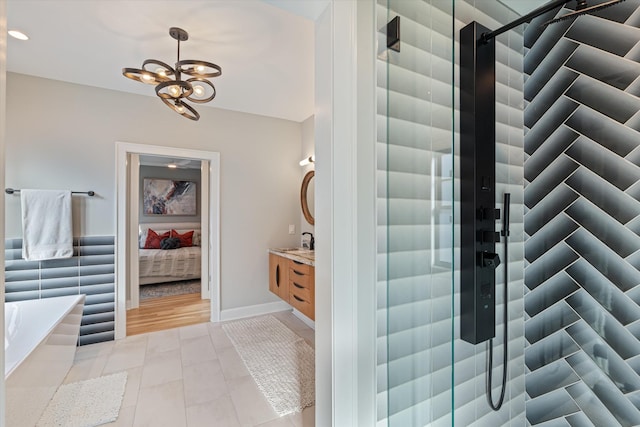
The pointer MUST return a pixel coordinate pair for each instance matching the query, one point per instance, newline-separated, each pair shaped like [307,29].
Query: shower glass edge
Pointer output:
[416,166]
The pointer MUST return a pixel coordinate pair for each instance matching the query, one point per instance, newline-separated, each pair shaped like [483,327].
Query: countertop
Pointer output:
[302,255]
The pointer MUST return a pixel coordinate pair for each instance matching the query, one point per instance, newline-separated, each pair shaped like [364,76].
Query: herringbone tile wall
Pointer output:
[582,219]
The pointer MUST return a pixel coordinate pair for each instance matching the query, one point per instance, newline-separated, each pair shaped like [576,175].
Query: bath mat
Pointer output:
[86,403]
[280,362]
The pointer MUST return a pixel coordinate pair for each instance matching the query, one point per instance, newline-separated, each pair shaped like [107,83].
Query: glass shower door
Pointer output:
[415,151]
[427,375]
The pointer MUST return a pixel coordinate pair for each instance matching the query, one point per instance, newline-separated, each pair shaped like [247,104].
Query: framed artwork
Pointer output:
[168,197]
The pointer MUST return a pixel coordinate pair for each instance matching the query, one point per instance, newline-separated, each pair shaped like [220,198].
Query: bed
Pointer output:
[158,265]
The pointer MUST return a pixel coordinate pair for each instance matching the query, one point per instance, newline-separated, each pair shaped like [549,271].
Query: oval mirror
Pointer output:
[307,196]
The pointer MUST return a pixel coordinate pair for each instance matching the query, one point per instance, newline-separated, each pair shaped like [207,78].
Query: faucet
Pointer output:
[312,241]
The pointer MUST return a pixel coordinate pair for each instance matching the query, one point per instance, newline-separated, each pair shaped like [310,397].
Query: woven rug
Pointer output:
[158,290]
[86,403]
[280,362]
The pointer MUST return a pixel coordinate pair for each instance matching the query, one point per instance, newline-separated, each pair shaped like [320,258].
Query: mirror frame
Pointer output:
[303,197]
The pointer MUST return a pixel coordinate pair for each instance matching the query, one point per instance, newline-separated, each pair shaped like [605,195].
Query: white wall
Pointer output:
[324,274]
[308,147]
[3,70]
[62,135]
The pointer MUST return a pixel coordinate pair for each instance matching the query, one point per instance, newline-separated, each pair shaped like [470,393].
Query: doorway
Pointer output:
[169,280]
[127,242]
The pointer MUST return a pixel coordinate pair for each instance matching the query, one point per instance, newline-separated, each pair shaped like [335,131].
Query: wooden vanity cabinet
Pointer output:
[301,288]
[279,276]
[294,282]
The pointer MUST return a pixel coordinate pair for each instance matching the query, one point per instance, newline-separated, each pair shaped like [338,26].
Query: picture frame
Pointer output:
[168,197]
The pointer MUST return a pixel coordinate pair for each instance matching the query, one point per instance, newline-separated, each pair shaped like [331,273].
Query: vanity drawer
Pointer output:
[303,306]
[300,268]
[303,292]
[302,280]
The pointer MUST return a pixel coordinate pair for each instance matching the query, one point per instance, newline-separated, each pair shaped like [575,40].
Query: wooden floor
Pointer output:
[158,314]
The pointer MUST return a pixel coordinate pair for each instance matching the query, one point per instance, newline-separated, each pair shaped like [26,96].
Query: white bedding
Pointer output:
[182,262]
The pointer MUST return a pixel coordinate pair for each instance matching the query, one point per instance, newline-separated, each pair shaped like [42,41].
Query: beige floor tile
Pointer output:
[193,331]
[196,350]
[125,356]
[204,382]
[217,413]
[291,321]
[251,406]
[280,422]
[130,398]
[306,418]
[85,369]
[162,341]
[134,340]
[231,363]
[189,374]
[218,337]
[125,418]
[91,351]
[161,406]
[161,368]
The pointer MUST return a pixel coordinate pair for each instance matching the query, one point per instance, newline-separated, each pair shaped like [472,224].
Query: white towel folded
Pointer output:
[46,224]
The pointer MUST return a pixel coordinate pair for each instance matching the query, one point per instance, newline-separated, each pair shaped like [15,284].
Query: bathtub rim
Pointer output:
[78,298]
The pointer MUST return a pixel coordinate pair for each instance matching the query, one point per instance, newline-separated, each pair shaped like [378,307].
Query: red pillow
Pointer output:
[186,239]
[154,239]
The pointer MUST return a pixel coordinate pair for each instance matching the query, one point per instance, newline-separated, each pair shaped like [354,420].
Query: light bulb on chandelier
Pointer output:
[169,85]
[198,90]
[174,91]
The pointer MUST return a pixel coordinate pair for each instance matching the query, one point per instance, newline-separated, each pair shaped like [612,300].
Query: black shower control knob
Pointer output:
[490,237]
[489,213]
[490,259]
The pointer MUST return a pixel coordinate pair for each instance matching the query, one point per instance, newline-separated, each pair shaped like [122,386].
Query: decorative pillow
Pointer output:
[142,238]
[170,243]
[196,238]
[186,239]
[154,239]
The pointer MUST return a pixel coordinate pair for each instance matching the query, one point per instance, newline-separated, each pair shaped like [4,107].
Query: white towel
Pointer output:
[46,224]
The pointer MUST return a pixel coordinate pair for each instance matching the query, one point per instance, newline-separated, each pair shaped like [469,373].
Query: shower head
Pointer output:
[582,8]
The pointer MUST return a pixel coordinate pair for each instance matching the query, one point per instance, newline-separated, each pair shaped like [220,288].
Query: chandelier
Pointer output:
[170,86]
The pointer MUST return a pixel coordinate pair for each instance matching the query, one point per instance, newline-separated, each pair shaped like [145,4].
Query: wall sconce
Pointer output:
[308,160]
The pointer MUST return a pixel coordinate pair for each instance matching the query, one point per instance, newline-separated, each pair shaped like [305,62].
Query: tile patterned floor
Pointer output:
[187,377]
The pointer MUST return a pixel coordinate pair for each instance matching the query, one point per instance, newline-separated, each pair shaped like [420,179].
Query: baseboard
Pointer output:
[253,310]
[310,323]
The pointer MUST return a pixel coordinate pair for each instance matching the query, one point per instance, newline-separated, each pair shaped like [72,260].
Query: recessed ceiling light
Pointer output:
[172,165]
[18,35]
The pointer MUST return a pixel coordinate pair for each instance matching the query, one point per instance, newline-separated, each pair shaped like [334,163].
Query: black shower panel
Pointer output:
[478,214]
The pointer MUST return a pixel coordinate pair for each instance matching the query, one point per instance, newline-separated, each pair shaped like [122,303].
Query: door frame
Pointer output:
[123,245]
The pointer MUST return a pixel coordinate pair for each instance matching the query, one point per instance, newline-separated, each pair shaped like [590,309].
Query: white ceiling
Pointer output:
[266,52]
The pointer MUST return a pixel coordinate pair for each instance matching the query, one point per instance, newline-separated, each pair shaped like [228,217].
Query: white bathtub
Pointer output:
[40,344]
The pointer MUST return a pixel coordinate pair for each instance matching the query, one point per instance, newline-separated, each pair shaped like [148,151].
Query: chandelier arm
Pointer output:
[195,80]
[189,67]
[183,109]
[168,70]
[143,76]
[185,89]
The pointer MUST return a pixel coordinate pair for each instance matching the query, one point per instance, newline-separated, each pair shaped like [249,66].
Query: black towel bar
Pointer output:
[89,193]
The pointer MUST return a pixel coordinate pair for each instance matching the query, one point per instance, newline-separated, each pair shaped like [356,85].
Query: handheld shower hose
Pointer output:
[505,359]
